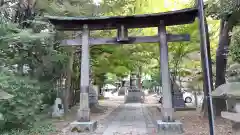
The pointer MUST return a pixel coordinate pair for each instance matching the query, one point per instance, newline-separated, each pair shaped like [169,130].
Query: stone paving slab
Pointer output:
[132,119]
[127,119]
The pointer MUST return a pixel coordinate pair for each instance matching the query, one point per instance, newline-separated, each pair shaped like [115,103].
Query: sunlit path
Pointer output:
[131,119]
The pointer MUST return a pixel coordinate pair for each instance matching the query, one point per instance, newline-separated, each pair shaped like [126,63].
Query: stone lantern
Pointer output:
[231,93]
[4,96]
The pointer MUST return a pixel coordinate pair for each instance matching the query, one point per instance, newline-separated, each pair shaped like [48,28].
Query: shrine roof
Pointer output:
[178,17]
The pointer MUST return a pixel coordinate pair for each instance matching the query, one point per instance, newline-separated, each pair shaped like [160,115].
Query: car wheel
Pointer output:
[188,100]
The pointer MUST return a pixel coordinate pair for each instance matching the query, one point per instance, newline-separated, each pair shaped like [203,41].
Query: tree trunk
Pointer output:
[204,107]
[140,78]
[221,62]
[66,98]
[71,94]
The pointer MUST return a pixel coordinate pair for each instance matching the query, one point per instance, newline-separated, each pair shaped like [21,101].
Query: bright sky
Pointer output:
[96,1]
[166,1]
[174,4]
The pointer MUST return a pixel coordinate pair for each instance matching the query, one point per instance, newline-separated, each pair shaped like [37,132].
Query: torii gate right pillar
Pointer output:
[166,126]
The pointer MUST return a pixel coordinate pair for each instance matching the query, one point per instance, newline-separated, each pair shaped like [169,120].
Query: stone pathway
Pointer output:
[126,119]
[129,120]
[140,119]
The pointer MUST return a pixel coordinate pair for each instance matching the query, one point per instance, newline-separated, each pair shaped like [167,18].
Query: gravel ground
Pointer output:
[193,122]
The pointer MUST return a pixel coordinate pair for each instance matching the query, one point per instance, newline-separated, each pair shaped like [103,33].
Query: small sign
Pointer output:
[178,101]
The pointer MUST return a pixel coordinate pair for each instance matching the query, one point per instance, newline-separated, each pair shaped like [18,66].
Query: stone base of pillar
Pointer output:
[80,127]
[169,128]
[167,112]
[83,115]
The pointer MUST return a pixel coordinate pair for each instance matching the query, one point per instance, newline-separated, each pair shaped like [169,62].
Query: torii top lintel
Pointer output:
[178,17]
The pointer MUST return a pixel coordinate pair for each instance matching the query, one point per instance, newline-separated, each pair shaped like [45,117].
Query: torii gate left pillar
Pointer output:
[83,122]
[84,110]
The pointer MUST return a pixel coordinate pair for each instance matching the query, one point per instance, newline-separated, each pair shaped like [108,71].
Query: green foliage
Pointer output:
[26,41]
[21,110]
[157,78]
[222,9]
[179,51]
[23,43]
[148,84]
[235,44]
[66,8]
[111,78]
[233,73]
[39,128]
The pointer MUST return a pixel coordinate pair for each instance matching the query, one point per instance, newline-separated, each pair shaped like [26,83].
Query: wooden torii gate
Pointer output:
[122,24]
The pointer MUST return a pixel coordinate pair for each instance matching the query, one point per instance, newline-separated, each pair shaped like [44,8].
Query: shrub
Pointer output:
[21,110]
[39,128]
[235,44]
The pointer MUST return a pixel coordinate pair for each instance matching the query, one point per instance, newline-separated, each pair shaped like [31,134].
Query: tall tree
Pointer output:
[227,12]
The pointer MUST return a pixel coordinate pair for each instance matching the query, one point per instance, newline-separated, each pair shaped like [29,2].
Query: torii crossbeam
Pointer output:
[122,24]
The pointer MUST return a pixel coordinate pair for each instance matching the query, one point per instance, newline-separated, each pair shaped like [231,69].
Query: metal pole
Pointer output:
[84,111]
[206,63]
[167,108]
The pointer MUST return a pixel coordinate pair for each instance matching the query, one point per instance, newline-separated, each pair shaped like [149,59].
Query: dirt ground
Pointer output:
[61,125]
[193,122]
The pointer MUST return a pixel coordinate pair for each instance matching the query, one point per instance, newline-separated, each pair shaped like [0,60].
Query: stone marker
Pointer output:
[1,117]
[123,89]
[230,92]
[178,101]
[93,95]
[58,110]
[134,94]
[93,100]
[4,95]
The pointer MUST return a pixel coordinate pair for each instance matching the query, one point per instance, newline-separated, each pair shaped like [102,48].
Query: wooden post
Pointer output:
[84,110]
[122,34]
[167,108]
[124,39]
